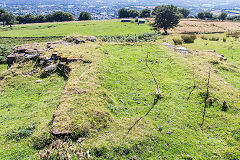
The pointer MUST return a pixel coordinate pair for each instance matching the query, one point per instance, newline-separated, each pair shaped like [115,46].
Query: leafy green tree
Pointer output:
[156,10]
[205,15]
[62,16]
[222,16]
[123,13]
[40,19]
[49,18]
[20,19]
[166,17]
[8,19]
[133,13]
[208,15]
[29,18]
[84,16]
[185,12]
[2,11]
[201,15]
[145,13]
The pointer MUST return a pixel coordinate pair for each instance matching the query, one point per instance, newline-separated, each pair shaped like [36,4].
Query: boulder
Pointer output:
[11,59]
[78,40]
[38,81]
[50,68]
[92,39]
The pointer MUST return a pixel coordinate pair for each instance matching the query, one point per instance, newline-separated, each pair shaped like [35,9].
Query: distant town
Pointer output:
[108,9]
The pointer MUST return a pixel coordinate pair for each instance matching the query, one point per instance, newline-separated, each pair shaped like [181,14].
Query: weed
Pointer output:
[177,41]
[188,38]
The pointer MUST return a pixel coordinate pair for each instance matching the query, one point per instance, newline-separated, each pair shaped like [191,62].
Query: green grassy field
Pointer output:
[103,98]
[93,28]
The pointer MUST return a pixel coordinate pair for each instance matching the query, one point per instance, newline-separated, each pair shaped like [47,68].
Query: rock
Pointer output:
[224,59]
[134,157]
[54,56]
[38,81]
[31,56]
[168,45]
[33,71]
[50,68]
[224,106]
[64,59]
[11,59]
[78,40]
[80,140]
[1,78]
[92,39]
[30,51]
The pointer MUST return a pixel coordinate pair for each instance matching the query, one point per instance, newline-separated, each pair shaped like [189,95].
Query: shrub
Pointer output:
[189,38]
[233,34]
[224,39]
[177,41]
[204,38]
[4,52]
[214,39]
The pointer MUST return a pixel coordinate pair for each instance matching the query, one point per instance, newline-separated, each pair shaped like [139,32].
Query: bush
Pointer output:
[4,52]
[145,37]
[224,39]
[177,41]
[204,38]
[214,39]
[234,34]
[189,38]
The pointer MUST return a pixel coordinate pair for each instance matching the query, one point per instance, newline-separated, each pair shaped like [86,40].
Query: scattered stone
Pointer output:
[33,71]
[92,39]
[50,68]
[78,40]
[1,78]
[168,45]
[31,56]
[80,140]
[134,157]
[54,56]
[11,59]
[169,133]
[38,81]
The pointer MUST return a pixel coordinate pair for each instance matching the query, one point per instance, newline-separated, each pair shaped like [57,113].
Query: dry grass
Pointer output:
[202,26]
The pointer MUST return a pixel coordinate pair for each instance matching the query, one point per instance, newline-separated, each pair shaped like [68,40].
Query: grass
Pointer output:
[26,109]
[230,49]
[92,28]
[112,88]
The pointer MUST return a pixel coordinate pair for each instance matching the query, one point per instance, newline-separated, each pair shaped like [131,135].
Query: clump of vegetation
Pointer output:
[188,38]
[20,133]
[177,41]
[4,52]
[224,39]
[234,34]
[204,38]
[145,37]
[214,39]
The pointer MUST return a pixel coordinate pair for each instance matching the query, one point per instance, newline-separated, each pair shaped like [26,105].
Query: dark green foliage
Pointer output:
[123,13]
[145,37]
[185,12]
[41,141]
[126,13]
[204,38]
[145,13]
[2,11]
[177,41]
[205,15]
[188,38]
[133,13]
[62,16]
[166,17]
[234,34]
[8,19]
[222,16]
[224,39]
[84,16]
[4,52]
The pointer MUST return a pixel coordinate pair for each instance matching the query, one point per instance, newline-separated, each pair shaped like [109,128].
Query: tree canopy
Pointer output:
[127,13]
[222,16]
[145,13]
[205,15]
[84,16]
[185,12]
[166,17]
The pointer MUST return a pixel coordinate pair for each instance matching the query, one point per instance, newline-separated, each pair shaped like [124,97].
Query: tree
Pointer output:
[29,18]
[156,10]
[123,13]
[185,12]
[40,19]
[133,13]
[145,13]
[201,15]
[20,19]
[222,16]
[2,11]
[166,17]
[62,16]
[84,16]
[9,19]
[49,18]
